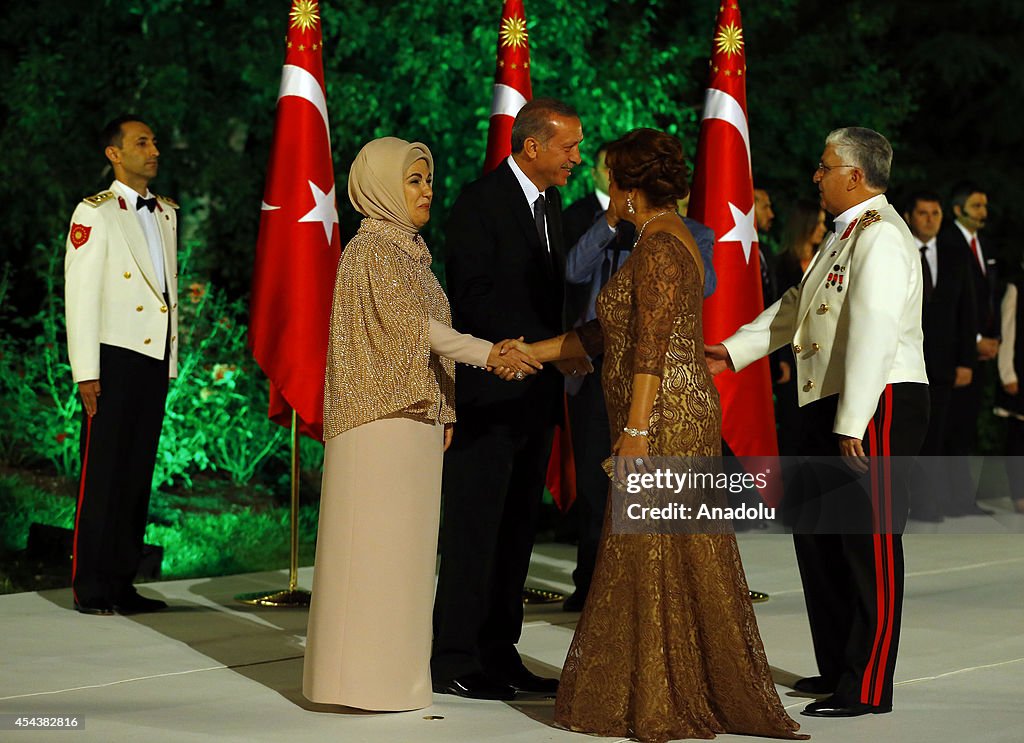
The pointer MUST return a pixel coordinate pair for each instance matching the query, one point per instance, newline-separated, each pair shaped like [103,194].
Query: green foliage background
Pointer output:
[942,79]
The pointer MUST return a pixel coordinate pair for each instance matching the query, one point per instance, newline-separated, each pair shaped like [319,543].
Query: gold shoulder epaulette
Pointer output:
[99,198]
[168,200]
[869,218]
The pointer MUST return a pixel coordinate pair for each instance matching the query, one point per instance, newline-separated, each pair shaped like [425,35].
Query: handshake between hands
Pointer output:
[513,359]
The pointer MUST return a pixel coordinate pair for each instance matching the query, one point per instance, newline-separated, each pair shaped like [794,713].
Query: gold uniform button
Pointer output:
[163,308]
[127,274]
[815,347]
[823,308]
[139,308]
[148,341]
[809,386]
[797,348]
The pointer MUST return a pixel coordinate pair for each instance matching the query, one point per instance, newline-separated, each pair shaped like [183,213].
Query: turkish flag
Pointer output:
[723,198]
[511,82]
[298,246]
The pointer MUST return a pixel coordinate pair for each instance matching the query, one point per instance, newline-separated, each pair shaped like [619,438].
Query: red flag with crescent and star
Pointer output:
[722,197]
[511,82]
[298,245]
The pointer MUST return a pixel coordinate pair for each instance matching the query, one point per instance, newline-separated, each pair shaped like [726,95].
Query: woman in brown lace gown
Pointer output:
[667,646]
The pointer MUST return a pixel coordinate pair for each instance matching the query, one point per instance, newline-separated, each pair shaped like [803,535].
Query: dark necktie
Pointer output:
[926,271]
[538,217]
[148,203]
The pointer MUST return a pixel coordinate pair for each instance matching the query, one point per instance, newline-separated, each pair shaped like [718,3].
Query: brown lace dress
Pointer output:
[667,646]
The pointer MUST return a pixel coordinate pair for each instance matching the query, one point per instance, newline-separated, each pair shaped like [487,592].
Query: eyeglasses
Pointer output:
[823,168]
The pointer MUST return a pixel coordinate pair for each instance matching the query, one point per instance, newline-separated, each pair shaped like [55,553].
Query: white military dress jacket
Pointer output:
[854,321]
[111,290]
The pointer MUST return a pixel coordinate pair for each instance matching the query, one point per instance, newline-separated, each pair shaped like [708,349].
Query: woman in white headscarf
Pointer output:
[388,412]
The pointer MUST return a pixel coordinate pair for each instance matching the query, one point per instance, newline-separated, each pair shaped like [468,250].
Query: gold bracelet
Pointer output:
[634,432]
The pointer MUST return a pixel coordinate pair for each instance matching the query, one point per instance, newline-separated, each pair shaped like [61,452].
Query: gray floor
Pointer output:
[212,670]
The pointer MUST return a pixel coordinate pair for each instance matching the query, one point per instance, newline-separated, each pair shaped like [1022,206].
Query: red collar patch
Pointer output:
[848,230]
[120,200]
[79,235]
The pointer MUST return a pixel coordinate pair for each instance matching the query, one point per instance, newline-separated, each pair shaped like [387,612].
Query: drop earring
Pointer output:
[629,205]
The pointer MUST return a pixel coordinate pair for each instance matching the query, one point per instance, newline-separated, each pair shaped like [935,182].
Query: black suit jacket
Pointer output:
[502,283]
[949,316]
[986,297]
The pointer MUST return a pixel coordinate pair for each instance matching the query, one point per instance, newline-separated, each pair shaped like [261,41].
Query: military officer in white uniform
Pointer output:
[854,324]
[120,274]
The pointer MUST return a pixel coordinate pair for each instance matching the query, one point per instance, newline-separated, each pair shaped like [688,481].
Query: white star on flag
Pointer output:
[743,230]
[325,211]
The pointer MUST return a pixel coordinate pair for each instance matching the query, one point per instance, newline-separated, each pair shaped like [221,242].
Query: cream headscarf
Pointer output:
[376,181]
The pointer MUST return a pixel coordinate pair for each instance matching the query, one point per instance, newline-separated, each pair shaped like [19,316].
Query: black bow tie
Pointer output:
[148,203]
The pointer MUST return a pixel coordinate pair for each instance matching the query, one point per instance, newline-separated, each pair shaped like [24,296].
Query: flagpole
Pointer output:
[293,596]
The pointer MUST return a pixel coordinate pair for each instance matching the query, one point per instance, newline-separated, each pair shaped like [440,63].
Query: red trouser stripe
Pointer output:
[889,557]
[885,583]
[78,510]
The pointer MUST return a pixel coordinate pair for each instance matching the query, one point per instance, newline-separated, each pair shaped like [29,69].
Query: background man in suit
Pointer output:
[855,327]
[121,300]
[970,207]
[949,323]
[600,242]
[505,268]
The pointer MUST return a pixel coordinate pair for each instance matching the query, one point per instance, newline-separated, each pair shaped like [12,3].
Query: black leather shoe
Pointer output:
[574,602]
[136,604]
[531,683]
[758,597]
[475,686]
[832,707]
[100,608]
[813,685]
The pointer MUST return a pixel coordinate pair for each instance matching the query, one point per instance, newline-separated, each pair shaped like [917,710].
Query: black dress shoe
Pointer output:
[522,680]
[813,685]
[833,707]
[100,608]
[574,602]
[475,686]
[136,604]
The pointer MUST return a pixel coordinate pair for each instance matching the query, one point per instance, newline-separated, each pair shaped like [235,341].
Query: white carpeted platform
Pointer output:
[212,670]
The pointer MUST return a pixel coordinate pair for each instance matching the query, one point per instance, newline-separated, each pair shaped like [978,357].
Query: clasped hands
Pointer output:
[513,359]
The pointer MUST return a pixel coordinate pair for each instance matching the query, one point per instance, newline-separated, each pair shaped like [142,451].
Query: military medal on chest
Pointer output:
[835,277]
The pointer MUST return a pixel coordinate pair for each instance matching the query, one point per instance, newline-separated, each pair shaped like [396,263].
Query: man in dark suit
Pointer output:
[970,207]
[949,321]
[505,267]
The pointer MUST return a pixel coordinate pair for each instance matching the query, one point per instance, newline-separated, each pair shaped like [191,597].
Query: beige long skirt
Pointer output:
[369,636]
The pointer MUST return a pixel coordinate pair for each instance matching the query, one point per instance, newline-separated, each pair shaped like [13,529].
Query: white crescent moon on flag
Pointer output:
[720,105]
[507,101]
[300,82]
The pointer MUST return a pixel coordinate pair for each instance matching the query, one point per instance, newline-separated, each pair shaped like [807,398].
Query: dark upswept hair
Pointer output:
[962,191]
[922,194]
[800,225]
[652,162]
[534,120]
[111,135]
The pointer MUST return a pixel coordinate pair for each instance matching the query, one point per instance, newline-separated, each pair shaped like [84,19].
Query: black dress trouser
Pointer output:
[849,547]
[493,482]
[119,446]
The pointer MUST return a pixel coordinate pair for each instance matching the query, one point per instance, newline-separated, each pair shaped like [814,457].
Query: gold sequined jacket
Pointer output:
[379,362]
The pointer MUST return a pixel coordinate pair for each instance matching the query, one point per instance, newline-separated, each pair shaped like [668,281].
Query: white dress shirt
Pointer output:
[147,220]
[531,192]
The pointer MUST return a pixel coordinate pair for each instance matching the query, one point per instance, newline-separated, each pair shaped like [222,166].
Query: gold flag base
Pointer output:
[293,596]
[288,598]
[540,596]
